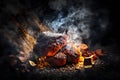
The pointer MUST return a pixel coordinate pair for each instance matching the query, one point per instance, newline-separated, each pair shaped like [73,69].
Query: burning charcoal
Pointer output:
[72,54]
[58,60]
[50,43]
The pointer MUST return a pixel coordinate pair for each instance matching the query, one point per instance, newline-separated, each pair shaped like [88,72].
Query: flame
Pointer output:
[85,60]
[91,56]
[81,62]
[42,63]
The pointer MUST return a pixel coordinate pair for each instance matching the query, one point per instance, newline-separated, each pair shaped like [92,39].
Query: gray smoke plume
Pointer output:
[78,21]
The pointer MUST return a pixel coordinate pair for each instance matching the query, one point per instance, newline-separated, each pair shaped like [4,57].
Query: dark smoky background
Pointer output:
[94,22]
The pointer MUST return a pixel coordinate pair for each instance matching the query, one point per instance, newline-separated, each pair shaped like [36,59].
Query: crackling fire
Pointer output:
[60,52]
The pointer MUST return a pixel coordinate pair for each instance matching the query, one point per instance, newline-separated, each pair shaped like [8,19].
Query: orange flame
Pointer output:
[84,54]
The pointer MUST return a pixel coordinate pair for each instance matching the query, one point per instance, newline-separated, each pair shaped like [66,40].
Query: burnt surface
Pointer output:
[110,40]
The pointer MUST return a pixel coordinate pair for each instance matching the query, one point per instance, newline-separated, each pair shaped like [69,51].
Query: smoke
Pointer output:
[77,18]
[80,23]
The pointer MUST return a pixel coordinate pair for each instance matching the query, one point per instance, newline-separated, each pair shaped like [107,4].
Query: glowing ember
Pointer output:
[60,52]
[42,63]
[87,59]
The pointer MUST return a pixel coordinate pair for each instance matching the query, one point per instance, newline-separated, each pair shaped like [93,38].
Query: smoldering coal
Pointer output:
[74,18]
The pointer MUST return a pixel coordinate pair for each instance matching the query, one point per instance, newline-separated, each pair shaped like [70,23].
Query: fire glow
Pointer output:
[63,52]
